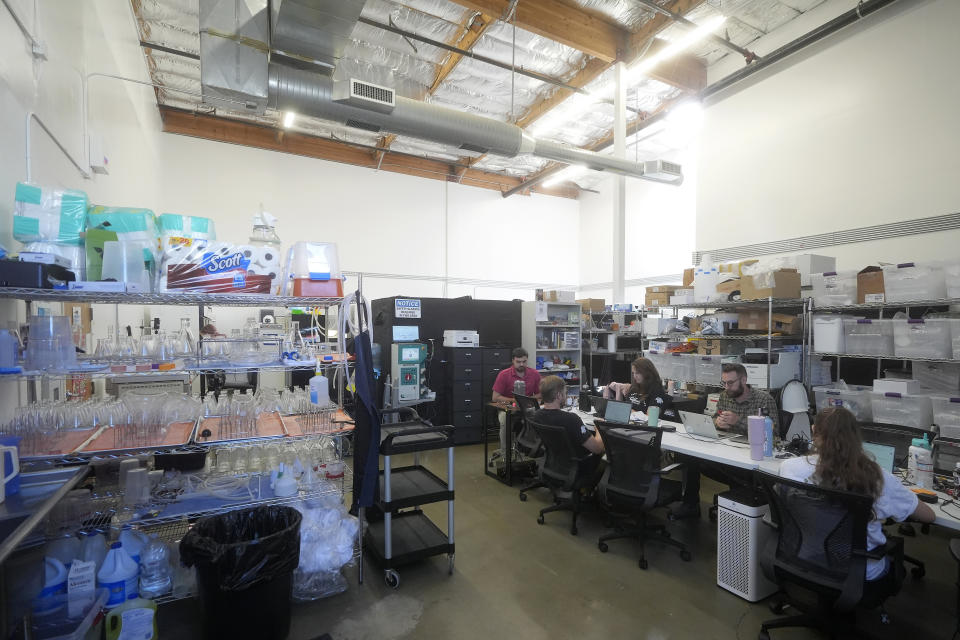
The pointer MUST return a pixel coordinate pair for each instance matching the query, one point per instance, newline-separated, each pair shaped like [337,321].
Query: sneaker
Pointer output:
[683,511]
[494,457]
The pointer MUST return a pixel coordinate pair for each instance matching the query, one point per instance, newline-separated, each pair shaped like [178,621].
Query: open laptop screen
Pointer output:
[883,454]
[618,412]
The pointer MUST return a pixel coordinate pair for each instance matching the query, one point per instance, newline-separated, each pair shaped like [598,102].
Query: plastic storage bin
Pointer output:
[58,623]
[313,269]
[946,415]
[834,288]
[942,378]
[681,367]
[855,398]
[708,369]
[951,276]
[903,409]
[929,338]
[914,281]
[828,336]
[955,336]
[868,337]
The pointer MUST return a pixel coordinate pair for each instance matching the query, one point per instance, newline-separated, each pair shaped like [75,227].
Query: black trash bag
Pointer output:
[243,549]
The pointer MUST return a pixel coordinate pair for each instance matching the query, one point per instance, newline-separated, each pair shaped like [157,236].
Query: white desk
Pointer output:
[949,515]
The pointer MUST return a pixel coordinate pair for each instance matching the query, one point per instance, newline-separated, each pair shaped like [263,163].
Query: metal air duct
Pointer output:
[315,29]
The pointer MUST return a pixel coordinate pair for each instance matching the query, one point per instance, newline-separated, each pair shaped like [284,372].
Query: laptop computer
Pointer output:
[882,454]
[600,406]
[617,412]
[699,424]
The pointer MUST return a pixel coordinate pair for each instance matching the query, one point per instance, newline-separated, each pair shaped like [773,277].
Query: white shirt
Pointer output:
[895,501]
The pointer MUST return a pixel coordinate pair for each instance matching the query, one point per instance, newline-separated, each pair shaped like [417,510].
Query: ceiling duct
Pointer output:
[318,30]
[236,74]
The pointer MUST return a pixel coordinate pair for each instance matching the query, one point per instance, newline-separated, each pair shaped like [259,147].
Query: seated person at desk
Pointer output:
[841,463]
[554,392]
[644,390]
[739,400]
[505,383]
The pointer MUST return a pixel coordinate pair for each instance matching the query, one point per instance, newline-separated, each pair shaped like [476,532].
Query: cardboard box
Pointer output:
[785,285]
[592,304]
[657,299]
[693,323]
[756,320]
[870,283]
[729,286]
[553,295]
[719,347]
[688,277]
[81,317]
[735,268]
[662,288]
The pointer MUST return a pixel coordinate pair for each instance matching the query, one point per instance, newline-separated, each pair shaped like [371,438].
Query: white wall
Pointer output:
[862,129]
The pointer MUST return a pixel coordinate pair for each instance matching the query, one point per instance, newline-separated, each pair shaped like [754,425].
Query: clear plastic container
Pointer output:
[682,367]
[926,338]
[313,269]
[914,281]
[828,336]
[907,410]
[659,361]
[155,571]
[63,622]
[709,368]
[834,288]
[951,276]
[955,337]
[868,337]
[946,415]
[942,378]
[855,398]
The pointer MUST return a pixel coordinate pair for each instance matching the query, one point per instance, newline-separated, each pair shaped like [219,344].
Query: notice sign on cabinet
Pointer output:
[406,308]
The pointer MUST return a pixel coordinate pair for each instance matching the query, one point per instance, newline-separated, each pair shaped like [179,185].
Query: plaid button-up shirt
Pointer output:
[756,400]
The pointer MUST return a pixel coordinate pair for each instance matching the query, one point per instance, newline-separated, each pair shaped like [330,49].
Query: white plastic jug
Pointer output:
[119,575]
[65,549]
[319,390]
[920,463]
[93,548]
[8,474]
[133,542]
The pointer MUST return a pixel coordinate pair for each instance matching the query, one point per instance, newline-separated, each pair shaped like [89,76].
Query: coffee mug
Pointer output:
[14,468]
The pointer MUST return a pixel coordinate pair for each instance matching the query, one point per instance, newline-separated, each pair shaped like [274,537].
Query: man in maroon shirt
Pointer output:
[504,384]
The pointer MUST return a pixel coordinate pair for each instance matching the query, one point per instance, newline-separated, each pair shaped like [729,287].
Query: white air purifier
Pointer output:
[741,535]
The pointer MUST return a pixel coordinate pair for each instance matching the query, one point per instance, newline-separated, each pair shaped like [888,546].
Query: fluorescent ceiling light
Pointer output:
[571,172]
[288,118]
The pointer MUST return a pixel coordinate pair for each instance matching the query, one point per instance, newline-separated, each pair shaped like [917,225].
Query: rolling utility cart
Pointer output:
[406,534]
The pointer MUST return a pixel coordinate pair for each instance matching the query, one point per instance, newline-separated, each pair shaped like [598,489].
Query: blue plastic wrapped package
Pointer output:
[48,215]
[128,225]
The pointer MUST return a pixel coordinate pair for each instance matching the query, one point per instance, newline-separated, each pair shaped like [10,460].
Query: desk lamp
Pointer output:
[794,400]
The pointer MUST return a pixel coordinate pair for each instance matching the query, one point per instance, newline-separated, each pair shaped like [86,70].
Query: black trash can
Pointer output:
[245,562]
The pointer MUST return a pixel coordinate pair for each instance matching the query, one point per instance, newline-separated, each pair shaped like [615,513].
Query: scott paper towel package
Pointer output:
[132,227]
[177,230]
[219,267]
[48,215]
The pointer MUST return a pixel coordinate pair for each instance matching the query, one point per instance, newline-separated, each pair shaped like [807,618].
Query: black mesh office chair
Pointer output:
[819,556]
[528,442]
[633,485]
[561,472]
[899,437]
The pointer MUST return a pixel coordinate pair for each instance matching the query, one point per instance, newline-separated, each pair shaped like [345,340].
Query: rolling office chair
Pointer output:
[528,442]
[899,437]
[633,485]
[820,552]
[561,471]
[955,552]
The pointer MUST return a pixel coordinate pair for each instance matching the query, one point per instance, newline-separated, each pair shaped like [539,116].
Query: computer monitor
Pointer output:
[618,412]
[406,333]
[882,454]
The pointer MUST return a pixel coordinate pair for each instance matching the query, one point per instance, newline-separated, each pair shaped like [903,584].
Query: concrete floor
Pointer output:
[515,579]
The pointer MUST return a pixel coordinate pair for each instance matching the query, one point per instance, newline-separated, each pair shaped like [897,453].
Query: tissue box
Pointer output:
[783,283]
[48,215]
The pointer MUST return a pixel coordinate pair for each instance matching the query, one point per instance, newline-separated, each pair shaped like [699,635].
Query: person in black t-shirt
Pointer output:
[554,392]
[645,390]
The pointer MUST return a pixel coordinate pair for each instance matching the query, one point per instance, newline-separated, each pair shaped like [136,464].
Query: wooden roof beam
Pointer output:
[562,22]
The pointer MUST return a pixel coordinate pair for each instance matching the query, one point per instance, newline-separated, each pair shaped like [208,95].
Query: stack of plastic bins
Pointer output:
[855,398]
[868,337]
[908,410]
[946,415]
[914,281]
[828,334]
[709,368]
[406,534]
[682,367]
[833,289]
[929,338]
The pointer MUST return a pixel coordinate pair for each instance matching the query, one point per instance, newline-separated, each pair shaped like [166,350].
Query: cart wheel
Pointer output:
[603,547]
[540,519]
[523,497]
[392,578]
[450,557]
[685,555]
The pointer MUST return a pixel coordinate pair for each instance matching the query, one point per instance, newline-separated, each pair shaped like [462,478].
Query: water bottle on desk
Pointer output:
[920,463]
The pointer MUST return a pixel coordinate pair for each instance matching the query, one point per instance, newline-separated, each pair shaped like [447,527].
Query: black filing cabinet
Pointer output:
[470,373]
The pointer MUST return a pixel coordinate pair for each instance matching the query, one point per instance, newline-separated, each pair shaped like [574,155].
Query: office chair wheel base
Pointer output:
[523,497]
[777,607]
[918,572]
[685,556]
[540,519]
[450,568]
[643,563]
[603,547]
[763,635]
[392,578]
[573,530]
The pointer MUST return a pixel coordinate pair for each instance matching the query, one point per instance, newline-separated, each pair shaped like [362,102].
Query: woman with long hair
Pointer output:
[644,390]
[841,463]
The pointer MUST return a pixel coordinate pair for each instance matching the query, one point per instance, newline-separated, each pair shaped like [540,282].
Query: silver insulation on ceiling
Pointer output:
[411,67]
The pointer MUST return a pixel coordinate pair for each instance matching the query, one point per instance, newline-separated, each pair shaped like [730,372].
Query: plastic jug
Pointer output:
[93,548]
[319,390]
[8,474]
[54,577]
[155,573]
[920,463]
[9,352]
[118,575]
[133,541]
[135,619]
[65,549]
